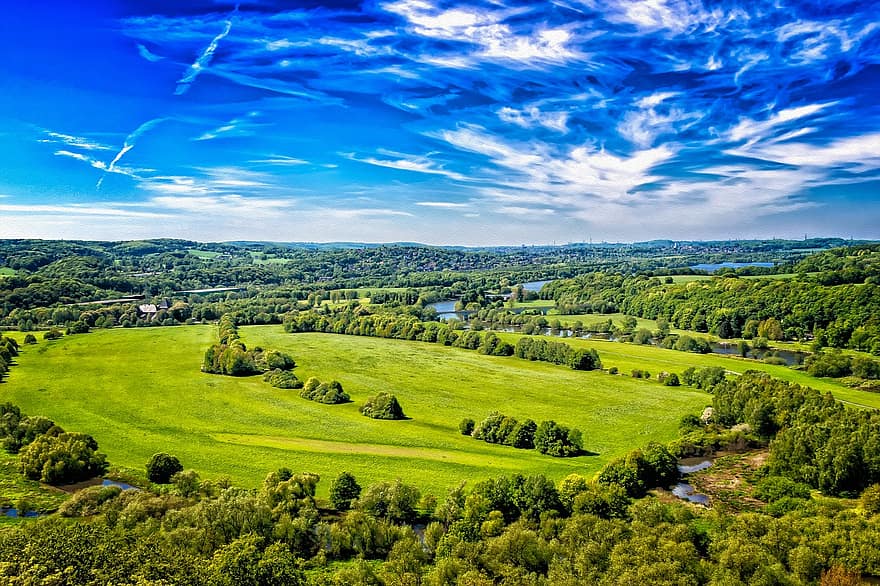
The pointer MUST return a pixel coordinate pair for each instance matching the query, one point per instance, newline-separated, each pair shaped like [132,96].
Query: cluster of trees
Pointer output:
[360,321]
[329,393]
[557,353]
[836,364]
[640,470]
[816,440]
[46,452]
[231,357]
[382,406]
[548,438]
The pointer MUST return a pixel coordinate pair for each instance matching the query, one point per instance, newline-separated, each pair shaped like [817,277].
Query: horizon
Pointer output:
[479,124]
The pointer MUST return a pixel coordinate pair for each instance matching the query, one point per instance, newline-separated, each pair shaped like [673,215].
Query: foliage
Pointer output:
[641,470]
[161,467]
[344,490]
[557,440]
[466,426]
[282,379]
[329,393]
[394,501]
[67,457]
[382,406]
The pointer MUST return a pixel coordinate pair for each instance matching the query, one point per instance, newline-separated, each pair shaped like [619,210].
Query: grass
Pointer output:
[139,391]
[15,489]
[7,272]
[627,357]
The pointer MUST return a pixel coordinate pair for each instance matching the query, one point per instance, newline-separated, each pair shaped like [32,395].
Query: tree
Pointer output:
[161,467]
[343,490]
[30,339]
[466,427]
[68,457]
[557,440]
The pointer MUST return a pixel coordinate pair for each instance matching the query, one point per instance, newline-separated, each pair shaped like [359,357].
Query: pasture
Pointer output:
[140,391]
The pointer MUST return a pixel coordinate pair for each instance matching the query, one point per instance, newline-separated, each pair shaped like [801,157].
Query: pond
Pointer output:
[712,267]
[791,357]
[14,513]
[685,491]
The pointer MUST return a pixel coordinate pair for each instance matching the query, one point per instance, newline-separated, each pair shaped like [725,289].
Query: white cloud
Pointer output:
[147,54]
[756,130]
[281,160]
[73,141]
[530,117]
[642,126]
[204,58]
[129,144]
[443,205]
[239,126]
[406,162]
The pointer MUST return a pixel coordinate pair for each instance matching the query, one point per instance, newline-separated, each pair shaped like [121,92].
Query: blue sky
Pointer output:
[468,123]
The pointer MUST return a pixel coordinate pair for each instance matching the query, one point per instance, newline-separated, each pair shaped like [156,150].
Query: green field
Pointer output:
[627,357]
[140,391]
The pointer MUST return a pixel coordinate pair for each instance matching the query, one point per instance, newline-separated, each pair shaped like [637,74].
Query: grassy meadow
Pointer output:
[140,391]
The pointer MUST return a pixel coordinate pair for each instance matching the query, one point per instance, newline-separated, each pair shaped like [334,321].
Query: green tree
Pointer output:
[382,406]
[343,490]
[161,467]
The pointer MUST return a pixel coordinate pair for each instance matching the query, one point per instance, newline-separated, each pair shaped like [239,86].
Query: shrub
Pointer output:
[328,393]
[466,427]
[52,334]
[282,379]
[30,339]
[383,406]
[162,467]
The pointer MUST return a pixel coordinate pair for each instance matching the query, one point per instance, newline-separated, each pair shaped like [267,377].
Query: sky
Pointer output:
[472,123]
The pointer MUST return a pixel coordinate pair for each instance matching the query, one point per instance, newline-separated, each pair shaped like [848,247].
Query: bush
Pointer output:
[328,393]
[383,406]
[52,334]
[466,427]
[162,467]
[282,379]
[30,339]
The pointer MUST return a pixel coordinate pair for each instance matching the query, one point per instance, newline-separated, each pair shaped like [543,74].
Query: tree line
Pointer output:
[358,320]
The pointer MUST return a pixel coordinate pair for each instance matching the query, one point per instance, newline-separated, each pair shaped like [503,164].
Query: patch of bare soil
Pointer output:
[727,481]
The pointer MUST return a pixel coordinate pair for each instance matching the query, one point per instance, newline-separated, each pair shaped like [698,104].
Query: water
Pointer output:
[535,285]
[121,485]
[689,465]
[14,513]
[791,357]
[712,267]
[685,491]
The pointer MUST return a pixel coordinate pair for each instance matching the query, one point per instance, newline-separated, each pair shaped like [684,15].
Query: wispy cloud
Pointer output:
[204,59]
[240,126]
[406,162]
[73,141]
[147,54]
[448,205]
[129,144]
